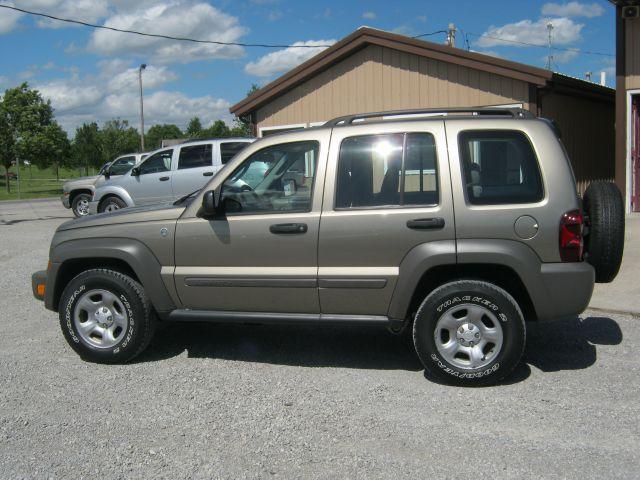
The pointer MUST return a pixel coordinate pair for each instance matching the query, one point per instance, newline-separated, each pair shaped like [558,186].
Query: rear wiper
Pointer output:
[186,197]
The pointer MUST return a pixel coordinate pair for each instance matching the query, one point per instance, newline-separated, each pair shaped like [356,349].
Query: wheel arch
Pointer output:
[127,256]
[74,193]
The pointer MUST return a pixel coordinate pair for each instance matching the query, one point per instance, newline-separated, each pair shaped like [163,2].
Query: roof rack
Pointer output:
[476,111]
[210,139]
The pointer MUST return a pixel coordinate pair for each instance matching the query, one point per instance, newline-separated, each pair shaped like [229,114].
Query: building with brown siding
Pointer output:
[373,70]
[628,99]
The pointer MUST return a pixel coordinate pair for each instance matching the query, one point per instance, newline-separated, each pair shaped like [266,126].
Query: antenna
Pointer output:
[550,45]
[587,76]
[451,35]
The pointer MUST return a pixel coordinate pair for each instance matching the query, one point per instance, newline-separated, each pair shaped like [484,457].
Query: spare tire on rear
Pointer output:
[604,239]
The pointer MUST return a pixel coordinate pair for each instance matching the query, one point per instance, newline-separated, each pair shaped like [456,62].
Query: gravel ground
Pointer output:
[250,402]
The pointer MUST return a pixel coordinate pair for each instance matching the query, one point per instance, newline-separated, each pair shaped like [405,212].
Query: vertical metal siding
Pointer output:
[378,78]
[588,133]
[633,53]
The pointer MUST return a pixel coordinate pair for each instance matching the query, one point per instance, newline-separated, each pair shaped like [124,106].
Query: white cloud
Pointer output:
[274,15]
[181,18]
[113,92]
[564,56]
[8,19]
[85,10]
[572,9]
[565,31]
[369,15]
[283,60]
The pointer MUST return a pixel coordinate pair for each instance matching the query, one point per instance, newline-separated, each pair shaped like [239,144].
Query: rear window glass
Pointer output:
[499,167]
[229,149]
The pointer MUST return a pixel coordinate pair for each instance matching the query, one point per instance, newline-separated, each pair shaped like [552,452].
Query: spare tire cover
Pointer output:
[604,239]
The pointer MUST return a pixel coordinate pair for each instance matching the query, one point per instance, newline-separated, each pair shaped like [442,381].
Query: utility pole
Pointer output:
[142,67]
[549,44]
[451,35]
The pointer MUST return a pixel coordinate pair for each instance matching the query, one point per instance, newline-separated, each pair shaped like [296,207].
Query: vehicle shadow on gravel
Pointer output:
[566,344]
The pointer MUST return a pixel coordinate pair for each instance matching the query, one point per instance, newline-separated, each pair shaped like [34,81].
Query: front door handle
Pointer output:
[207,174]
[288,228]
[426,223]
[163,179]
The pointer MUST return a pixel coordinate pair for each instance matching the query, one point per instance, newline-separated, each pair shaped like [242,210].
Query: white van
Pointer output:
[167,174]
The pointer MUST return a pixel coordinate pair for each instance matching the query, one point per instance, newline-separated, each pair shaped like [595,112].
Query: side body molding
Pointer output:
[419,260]
[136,254]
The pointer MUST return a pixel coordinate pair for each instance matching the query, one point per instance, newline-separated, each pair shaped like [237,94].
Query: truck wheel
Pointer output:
[106,317]
[469,333]
[111,204]
[80,204]
[604,241]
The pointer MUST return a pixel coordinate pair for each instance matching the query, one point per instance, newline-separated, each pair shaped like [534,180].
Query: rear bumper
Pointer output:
[562,289]
[39,282]
[65,200]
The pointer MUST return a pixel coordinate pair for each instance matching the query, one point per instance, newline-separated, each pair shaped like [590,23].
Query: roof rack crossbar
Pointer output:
[514,112]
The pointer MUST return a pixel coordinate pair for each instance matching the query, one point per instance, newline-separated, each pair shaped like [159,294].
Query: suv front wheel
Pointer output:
[111,204]
[106,317]
[469,333]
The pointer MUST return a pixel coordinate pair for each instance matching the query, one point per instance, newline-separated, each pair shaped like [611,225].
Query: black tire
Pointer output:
[112,201]
[604,241]
[141,318]
[77,206]
[453,296]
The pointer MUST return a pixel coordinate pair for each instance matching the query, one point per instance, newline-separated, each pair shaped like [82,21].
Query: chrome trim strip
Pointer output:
[251,282]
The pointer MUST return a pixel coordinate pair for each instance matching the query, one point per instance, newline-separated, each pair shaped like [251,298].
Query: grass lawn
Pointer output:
[37,183]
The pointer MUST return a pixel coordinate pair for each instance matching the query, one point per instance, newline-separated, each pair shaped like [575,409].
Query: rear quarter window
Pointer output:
[499,167]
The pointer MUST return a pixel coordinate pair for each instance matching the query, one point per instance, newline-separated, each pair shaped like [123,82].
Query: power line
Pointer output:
[577,50]
[429,34]
[155,35]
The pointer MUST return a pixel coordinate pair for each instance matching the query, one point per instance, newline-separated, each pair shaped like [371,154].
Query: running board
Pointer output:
[277,318]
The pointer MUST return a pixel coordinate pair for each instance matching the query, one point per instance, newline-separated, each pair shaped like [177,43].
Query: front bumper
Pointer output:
[39,284]
[93,208]
[65,200]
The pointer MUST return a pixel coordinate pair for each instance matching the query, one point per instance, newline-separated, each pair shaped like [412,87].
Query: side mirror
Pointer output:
[208,208]
[107,173]
[135,171]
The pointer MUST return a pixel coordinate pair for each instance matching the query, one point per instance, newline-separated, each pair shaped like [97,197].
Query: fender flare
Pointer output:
[109,190]
[133,252]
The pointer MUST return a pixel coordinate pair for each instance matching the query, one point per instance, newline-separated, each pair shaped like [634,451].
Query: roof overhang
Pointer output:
[366,36]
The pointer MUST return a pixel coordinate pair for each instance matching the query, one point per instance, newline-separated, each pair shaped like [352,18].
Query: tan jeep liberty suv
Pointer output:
[453,225]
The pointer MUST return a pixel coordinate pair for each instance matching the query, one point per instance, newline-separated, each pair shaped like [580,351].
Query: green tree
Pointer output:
[157,133]
[28,130]
[194,129]
[219,129]
[86,149]
[117,138]
[242,126]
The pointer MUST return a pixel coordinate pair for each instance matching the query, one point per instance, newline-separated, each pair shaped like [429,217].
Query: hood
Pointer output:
[79,181]
[145,213]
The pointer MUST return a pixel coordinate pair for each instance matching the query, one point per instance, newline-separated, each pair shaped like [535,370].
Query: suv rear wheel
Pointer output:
[469,333]
[106,317]
[111,204]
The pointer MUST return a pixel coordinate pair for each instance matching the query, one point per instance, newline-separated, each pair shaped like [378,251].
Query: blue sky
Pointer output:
[90,75]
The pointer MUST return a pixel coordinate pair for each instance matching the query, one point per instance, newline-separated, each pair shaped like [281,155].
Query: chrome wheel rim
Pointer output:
[468,336]
[82,207]
[100,318]
[111,207]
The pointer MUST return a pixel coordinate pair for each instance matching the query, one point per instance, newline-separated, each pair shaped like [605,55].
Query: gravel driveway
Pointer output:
[211,401]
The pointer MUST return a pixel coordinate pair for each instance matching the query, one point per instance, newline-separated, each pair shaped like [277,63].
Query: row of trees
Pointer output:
[29,132]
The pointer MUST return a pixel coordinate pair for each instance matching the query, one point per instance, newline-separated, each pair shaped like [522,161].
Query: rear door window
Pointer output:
[229,149]
[394,169]
[499,167]
[195,156]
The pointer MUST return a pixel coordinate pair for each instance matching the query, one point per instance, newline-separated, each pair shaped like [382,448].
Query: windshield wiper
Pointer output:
[186,197]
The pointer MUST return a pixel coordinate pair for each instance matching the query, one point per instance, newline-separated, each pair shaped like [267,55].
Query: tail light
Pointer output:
[571,241]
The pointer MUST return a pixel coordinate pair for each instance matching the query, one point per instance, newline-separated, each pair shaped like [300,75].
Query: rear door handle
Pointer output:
[288,228]
[207,174]
[426,223]
[163,179]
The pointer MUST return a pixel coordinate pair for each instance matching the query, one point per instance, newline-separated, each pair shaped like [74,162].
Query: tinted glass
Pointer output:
[500,167]
[122,165]
[195,156]
[229,149]
[158,162]
[275,179]
[372,171]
